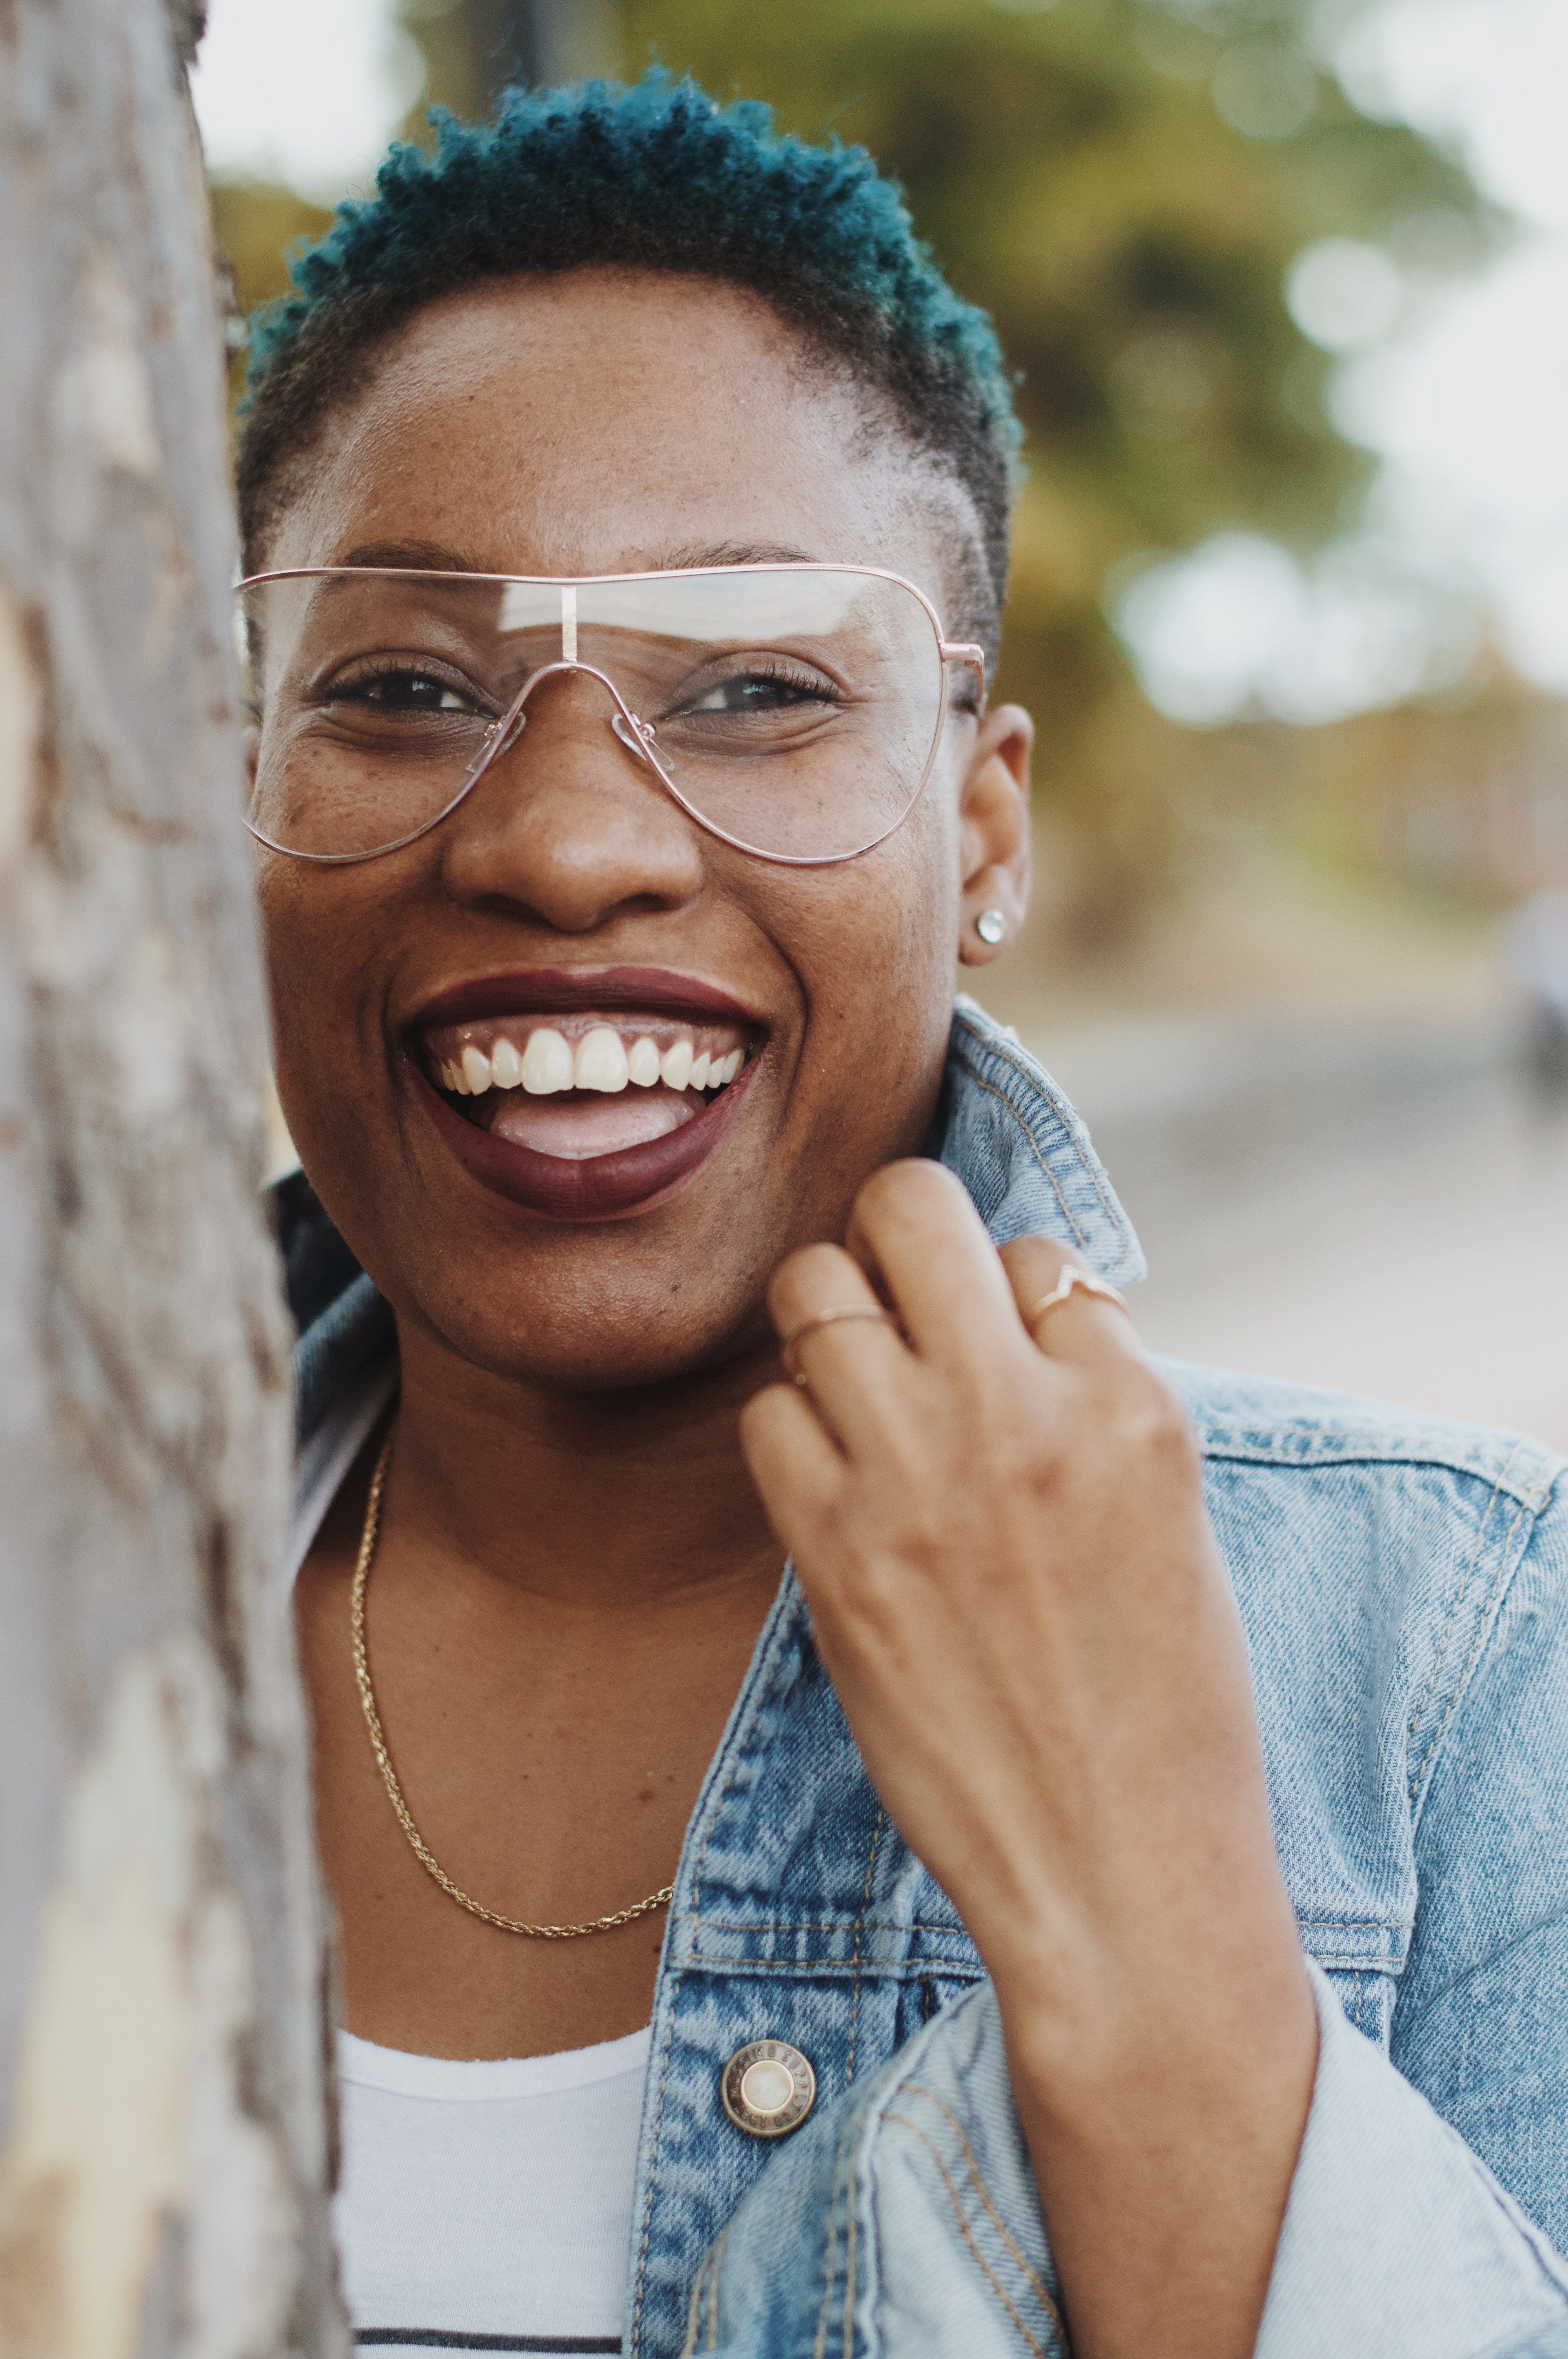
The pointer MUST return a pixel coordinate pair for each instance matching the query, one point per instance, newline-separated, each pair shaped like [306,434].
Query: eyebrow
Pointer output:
[430,556]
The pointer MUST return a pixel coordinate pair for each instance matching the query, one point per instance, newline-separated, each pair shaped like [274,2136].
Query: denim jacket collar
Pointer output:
[1023,1154]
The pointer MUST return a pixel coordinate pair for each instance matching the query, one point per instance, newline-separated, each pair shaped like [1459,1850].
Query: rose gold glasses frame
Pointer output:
[635,734]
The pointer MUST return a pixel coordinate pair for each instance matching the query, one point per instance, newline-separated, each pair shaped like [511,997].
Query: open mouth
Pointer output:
[583,1085]
[583,1110]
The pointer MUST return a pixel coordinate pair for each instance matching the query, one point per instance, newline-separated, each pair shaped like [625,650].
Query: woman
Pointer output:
[968,1948]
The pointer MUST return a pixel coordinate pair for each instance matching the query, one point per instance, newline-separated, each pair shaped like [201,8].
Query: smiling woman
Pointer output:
[626,508]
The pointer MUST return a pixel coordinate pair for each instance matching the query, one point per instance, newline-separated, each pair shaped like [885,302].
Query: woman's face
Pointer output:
[602,423]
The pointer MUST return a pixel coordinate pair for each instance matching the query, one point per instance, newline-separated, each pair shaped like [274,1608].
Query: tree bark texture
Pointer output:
[164,2139]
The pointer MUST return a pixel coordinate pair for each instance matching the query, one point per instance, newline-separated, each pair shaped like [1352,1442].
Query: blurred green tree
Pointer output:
[1124,185]
[257,223]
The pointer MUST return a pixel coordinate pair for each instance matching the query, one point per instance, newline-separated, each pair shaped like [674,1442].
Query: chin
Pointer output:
[610,1329]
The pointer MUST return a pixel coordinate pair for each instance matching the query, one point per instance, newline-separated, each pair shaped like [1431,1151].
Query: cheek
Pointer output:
[873,944]
[316,937]
[905,936]
[286,942]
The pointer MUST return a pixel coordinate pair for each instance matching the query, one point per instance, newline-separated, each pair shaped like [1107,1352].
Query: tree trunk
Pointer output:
[163,2134]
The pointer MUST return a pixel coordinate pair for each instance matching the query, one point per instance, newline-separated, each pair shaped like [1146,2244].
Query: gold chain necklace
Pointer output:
[422,1850]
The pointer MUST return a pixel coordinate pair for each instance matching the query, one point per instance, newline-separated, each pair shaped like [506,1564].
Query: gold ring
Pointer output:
[1072,1279]
[792,1343]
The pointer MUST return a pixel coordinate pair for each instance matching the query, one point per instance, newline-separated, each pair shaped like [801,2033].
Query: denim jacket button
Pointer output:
[768,2087]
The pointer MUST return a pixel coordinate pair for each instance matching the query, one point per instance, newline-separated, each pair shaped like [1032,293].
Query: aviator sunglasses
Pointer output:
[793,711]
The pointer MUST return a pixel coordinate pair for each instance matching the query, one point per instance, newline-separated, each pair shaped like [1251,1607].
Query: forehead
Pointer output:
[609,421]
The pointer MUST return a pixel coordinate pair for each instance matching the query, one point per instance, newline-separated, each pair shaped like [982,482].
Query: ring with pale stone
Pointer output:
[1073,1280]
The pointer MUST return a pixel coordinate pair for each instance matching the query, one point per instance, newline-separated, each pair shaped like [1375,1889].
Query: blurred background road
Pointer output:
[1381,1212]
[1287,284]
[1417,1252]
[1321,1114]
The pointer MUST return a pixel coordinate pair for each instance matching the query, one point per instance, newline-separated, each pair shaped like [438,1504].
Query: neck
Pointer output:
[597,1503]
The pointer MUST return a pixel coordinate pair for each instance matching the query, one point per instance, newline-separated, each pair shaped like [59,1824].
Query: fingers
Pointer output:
[914,1228]
[961,1307]
[795,1465]
[1083,1328]
[846,1363]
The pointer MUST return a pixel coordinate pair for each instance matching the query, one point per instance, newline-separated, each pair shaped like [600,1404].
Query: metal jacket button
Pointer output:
[768,2087]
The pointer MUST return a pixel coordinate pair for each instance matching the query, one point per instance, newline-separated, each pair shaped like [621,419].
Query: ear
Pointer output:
[993,834]
[250,739]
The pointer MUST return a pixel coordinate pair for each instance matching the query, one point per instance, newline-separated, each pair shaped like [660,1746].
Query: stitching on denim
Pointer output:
[1038,2349]
[1314,1449]
[845,1924]
[713,2291]
[829,1967]
[707,2281]
[717,1802]
[850,2253]
[841,2181]
[855,1960]
[694,2306]
[1505,1567]
[1385,1971]
[956,1932]
[1538,1925]
[1448,1622]
[1289,1443]
[1078,1237]
[917,2089]
[648,2206]
[719,1797]
[1354,1924]
[1000,1049]
[1451,1619]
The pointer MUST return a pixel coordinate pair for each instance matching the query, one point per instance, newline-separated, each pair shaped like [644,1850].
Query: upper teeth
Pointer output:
[601,1060]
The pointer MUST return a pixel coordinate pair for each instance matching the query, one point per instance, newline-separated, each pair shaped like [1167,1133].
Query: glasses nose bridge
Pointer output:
[634,734]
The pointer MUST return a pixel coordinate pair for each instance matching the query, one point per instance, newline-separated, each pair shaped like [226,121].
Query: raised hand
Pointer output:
[1022,1604]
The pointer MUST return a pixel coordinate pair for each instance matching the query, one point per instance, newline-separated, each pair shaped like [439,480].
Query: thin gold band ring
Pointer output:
[1073,1280]
[793,1342]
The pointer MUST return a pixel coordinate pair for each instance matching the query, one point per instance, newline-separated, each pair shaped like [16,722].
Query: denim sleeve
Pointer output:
[1428,2198]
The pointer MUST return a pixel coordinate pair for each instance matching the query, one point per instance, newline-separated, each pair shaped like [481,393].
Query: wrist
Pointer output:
[1166,2030]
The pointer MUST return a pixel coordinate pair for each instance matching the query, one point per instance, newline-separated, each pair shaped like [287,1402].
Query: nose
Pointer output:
[568,824]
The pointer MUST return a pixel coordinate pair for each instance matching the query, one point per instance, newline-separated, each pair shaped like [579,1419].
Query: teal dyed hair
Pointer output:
[657,177]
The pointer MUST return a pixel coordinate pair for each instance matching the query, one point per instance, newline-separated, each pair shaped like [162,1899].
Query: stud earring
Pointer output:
[991,925]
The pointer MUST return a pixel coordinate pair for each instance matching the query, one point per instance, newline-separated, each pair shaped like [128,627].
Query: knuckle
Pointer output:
[1152,1421]
[811,1277]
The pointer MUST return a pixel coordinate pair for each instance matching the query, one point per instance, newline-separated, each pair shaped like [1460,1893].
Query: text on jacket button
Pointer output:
[768,2087]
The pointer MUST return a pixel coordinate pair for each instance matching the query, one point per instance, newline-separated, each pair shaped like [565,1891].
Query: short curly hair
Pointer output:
[655,177]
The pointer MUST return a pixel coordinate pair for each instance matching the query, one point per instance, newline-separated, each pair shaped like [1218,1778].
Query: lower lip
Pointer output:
[599,1187]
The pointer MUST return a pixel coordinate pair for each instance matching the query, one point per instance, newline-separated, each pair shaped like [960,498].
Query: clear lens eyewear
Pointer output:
[793,711]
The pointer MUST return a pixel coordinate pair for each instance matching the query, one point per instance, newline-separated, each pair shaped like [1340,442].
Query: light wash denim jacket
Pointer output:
[1404,1584]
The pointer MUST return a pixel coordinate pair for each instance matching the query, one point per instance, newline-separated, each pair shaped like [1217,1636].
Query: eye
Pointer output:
[771,690]
[396,687]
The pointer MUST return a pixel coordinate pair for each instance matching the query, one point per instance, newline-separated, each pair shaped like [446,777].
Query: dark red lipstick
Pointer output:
[599,1187]
[565,991]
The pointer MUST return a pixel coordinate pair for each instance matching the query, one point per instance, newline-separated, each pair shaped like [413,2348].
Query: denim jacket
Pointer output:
[1403,1586]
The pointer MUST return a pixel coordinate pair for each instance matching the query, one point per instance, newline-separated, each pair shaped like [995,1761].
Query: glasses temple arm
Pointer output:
[964,651]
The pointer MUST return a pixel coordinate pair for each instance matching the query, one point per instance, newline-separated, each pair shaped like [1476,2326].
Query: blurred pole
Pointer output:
[164,2142]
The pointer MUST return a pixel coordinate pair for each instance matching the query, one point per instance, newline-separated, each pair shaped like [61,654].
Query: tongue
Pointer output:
[578,1126]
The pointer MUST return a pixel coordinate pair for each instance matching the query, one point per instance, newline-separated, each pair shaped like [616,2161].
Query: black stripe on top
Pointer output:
[441,2338]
